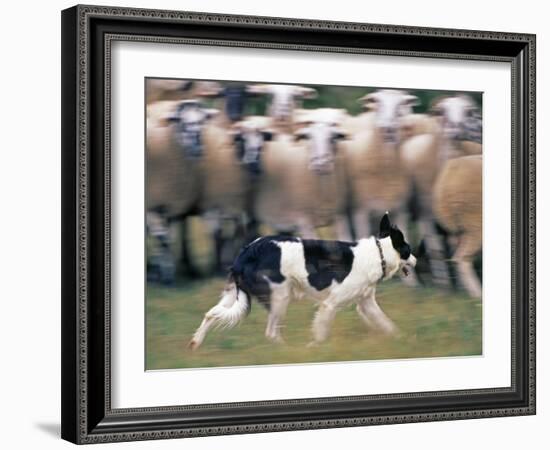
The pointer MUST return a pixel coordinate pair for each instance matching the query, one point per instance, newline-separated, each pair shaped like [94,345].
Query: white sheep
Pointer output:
[284,99]
[163,89]
[457,204]
[378,181]
[432,140]
[160,89]
[301,182]
[174,150]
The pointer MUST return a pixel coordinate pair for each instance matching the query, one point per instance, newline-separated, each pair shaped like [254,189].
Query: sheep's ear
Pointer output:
[211,112]
[307,93]
[267,135]
[257,89]
[186,85]
[340,135]
[169,119]
[435,108]
[368,101]
[385,226]
[209,89]
[300,134]
[411,100]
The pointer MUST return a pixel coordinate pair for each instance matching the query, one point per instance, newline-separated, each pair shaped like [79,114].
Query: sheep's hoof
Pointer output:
[276,339]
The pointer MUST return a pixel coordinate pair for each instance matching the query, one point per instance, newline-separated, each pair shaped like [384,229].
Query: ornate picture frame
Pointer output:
[88,33]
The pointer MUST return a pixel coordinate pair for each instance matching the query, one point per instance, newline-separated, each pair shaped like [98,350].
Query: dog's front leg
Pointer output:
[371,313]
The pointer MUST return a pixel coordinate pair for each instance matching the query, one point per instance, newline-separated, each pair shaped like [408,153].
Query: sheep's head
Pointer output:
[321,129]
[406,260]
[459,117]
[283,97]
[390,106]
[189,119]
[249,138]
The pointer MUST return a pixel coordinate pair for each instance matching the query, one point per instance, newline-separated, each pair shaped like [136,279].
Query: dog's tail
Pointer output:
[234,305]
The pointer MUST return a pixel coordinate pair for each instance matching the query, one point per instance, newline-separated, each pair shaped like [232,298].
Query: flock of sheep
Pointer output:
[295,170]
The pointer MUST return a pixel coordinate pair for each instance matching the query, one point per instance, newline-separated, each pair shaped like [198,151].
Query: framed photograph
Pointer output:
[282,224]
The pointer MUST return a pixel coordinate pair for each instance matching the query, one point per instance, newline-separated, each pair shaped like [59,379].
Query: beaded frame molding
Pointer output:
[87,35]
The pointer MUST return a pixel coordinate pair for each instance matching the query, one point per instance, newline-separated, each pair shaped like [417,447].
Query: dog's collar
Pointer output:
[382,259]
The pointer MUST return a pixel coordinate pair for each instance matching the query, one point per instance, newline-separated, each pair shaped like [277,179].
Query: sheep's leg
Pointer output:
[343,231]
[187,267]
[372,314]
[436,252]
[361,224]
[278,303]
[215,224]
[219,242]
[306,228]
[402,223]
[468,247]
[164,264]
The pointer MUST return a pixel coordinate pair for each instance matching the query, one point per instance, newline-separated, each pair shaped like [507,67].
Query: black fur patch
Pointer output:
[399,244]
[397,238]
[327,261]
[258,260]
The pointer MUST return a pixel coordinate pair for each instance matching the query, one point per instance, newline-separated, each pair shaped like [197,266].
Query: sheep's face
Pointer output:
[249,141]
[457,116]
[390,107]
[406,260]
[322,140]
[283,98]
[189,119]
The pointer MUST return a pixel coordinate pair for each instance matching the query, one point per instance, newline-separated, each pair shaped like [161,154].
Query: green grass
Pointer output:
[432,323]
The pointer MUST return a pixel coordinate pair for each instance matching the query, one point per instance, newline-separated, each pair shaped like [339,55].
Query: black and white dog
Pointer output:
[276,270]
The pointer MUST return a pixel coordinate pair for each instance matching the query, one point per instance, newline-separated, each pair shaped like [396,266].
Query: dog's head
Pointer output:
[406,259]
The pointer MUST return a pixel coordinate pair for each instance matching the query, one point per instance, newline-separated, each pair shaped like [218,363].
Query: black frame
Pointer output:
[87,32]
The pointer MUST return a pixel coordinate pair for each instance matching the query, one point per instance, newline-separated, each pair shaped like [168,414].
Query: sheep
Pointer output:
[160,89]
[433,139]
[231,99]
[225,187]
[290,172]
[324,176]
[378,181]
[284,99]
[457,204]
[174,162]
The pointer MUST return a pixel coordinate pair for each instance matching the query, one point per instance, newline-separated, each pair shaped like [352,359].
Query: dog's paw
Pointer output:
[193,345]
[393,332]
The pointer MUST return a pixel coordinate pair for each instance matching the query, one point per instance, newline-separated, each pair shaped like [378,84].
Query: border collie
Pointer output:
[278,269]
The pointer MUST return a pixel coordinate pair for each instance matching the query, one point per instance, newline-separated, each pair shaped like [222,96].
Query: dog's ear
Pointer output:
[397,238]
[385,226]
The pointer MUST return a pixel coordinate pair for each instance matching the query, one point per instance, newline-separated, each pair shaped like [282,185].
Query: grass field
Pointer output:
[432,323]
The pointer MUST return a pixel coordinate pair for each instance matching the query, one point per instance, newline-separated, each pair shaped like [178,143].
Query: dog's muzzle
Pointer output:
[409,264]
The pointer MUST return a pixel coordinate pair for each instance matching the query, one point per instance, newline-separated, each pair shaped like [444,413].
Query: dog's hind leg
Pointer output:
[372,314]
[230,310]
[278,304]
